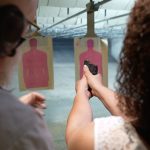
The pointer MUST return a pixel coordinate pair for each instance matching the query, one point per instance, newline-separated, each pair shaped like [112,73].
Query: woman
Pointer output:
[129,126]
[21,124]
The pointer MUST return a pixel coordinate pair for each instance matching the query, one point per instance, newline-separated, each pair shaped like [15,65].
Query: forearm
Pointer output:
[80,115]
[109,99]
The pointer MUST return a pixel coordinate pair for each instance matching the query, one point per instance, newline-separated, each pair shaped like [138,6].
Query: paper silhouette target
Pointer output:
[92,55]
[94,50]
[36,70]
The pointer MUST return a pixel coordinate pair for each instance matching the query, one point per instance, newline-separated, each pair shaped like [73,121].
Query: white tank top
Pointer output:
[113,133]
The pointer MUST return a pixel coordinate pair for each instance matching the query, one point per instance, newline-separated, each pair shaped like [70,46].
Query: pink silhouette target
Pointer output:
[93,56]
[35,67]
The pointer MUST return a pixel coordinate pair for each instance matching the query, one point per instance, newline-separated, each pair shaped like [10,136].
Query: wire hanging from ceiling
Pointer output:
[47,3]
[59,12]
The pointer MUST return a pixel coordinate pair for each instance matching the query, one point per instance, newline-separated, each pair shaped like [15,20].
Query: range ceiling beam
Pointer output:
[107,32]
[106,19]
[96,6]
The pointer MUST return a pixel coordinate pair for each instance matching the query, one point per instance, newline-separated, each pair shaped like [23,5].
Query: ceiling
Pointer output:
[51,12]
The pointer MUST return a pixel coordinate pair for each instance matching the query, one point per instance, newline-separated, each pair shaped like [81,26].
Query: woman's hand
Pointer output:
[35,100]
[94,81]
[82,87]
[106,95]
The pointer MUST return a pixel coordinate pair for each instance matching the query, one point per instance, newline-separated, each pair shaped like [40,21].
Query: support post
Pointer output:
[90,20]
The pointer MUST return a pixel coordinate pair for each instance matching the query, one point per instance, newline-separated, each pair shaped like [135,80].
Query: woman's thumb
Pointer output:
[86,71]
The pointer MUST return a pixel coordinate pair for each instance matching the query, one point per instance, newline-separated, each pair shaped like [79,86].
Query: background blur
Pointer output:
[110,23]
[59,101]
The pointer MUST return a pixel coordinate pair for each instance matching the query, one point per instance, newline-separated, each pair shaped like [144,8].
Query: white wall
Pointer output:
[115,47]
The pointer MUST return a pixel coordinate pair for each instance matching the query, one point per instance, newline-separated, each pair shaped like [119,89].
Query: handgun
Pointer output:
[93,69]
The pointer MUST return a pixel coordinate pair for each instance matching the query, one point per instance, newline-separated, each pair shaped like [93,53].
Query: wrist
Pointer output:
[82,94]
[99,91]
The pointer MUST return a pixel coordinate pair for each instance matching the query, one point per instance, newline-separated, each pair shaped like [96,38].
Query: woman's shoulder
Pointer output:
[109,122]
[115,133]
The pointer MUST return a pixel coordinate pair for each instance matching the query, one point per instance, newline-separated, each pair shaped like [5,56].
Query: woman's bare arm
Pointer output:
[107,96]
[79,131]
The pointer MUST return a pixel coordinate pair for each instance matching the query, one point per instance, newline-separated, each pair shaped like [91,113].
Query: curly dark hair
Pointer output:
[133,76]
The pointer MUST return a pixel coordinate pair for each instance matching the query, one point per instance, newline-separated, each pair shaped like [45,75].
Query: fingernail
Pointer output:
[85,66]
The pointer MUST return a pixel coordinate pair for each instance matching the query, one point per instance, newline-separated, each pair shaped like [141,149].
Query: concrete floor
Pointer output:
[59,101]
